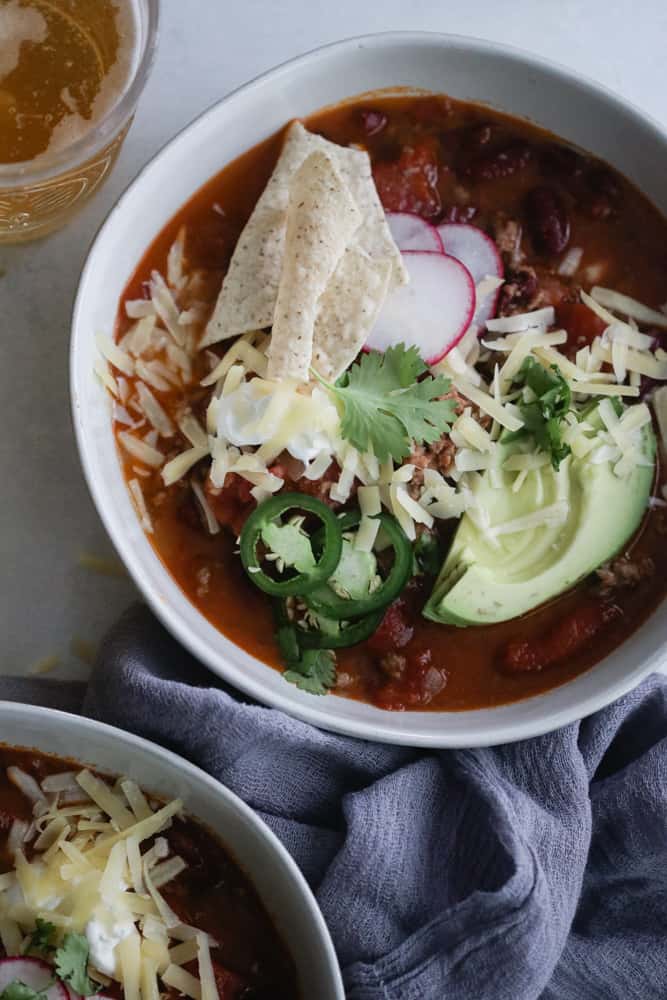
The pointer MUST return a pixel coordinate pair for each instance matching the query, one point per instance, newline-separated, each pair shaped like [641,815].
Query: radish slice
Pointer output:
[480,255]
[35,974]
[432,312]
[411,232]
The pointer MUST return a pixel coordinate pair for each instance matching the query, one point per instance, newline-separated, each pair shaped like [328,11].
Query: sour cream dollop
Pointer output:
[253,414]
[104,931]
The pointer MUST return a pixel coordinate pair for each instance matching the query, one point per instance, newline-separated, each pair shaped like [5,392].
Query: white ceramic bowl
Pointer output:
[274,874]
[521,84]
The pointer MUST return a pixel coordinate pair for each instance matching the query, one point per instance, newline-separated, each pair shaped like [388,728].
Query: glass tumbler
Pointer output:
[38,196]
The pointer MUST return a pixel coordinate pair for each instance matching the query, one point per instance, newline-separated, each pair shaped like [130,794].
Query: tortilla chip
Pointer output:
[347,311]
[322,218]
[250,289]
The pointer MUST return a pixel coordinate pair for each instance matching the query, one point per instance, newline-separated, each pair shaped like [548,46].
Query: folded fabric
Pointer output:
[532,870]
[537,869]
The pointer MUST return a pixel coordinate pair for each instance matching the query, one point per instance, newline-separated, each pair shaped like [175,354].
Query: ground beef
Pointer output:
[624,572]
[393,665]
[520,293]
[525,289]
[438,456]
[507,234]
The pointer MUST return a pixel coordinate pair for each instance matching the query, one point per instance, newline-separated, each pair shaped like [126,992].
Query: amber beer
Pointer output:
[70,73]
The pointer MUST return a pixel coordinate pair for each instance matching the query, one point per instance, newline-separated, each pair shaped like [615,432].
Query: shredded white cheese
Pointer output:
[141,450]
[539,318]
[137,495]
[86,874]
[617,302]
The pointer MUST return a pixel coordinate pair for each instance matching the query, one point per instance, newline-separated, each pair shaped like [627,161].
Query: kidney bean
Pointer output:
[500,162]
[547,220]
[373,121]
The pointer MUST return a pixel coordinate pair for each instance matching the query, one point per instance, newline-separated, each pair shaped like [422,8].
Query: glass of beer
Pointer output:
[71,73]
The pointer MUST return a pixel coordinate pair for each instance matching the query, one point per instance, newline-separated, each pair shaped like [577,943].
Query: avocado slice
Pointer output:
[484,581]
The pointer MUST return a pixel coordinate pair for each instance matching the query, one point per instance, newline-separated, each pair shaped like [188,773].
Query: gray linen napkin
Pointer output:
[532,870]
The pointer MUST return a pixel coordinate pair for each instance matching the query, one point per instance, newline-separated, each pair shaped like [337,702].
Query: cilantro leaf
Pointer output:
[543,416]
[314,672]
[41,939]
[19,991]
[385,408]
[71,961]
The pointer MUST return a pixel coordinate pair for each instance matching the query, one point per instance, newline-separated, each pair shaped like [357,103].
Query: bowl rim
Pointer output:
[91,727]
[493,732]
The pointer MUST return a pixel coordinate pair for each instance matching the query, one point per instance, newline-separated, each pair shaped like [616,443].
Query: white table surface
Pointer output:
[207,48]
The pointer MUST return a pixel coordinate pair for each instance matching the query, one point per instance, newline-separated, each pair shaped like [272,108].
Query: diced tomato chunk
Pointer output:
[418,686]
[581,323]
[394,631]
[410,184]
[567,638]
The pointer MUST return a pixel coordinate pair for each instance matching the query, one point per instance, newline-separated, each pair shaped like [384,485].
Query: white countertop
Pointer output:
[207,48]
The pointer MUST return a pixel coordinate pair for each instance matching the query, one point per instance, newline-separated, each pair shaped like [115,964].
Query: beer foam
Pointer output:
[74,126]
[18,25]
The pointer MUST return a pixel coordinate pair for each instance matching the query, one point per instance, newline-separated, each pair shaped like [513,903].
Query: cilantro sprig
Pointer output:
[17,990]
[543,416]
[41,939]
[314,671]
[71,961]
[389,401]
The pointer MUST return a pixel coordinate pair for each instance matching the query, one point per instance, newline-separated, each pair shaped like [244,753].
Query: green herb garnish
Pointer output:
[71,961]
[543,416]
[19,991]
[41,939]
[385,408]
[314,671]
